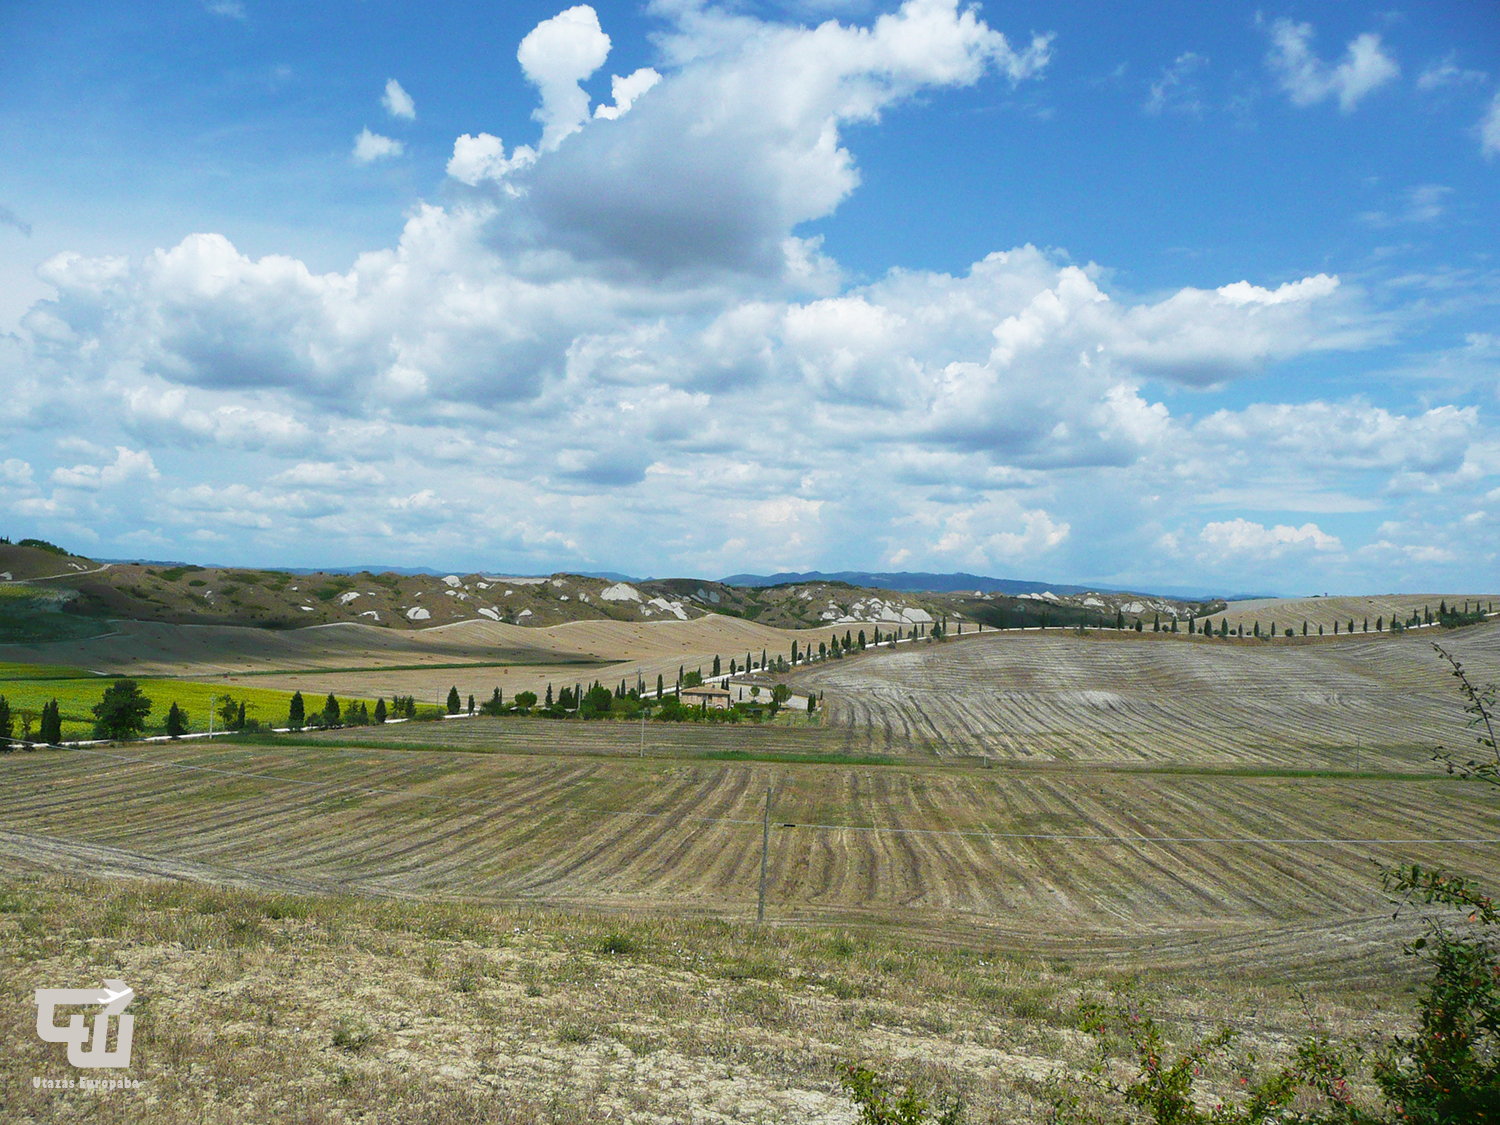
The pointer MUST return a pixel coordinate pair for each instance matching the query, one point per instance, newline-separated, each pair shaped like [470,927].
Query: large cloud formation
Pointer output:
[620,323]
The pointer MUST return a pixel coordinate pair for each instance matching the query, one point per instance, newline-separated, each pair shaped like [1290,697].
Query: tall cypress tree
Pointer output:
[297,712]
[51,731]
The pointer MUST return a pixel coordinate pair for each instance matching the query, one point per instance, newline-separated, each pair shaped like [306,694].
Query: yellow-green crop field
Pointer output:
[26,687]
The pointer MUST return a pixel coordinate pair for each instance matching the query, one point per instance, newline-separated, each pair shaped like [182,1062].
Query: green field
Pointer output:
[26,687]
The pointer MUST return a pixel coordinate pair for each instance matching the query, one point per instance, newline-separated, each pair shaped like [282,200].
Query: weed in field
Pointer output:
[352,1035]
[575,1033]
[617,944]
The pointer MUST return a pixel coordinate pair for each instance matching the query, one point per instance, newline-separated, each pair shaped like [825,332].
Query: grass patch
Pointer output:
[618,944]
[235,1007]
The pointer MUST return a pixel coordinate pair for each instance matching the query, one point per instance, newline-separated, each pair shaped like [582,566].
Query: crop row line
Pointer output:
[1266,841]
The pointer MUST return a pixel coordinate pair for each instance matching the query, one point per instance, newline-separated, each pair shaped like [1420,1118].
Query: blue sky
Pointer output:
[1178,295]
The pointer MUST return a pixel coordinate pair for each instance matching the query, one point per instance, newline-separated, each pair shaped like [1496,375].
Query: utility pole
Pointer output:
[765,848]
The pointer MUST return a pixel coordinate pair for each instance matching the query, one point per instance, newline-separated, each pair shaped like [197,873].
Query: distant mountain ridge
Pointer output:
[914,581]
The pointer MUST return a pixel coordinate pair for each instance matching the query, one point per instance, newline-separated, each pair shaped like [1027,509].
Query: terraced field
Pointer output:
[1113,697]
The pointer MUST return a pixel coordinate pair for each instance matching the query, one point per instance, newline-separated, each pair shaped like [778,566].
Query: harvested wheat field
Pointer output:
[1150,697]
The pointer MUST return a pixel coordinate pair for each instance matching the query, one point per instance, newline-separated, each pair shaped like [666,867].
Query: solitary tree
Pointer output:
[122,712]
[471,704]
[380,712]
[177,722]
[659,685]
[453,701]
[548,699]
[51,732]
[716,666]
[861,640]
[297,713]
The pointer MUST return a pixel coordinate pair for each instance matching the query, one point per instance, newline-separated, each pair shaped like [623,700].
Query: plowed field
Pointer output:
[1132,697]
[1087,858]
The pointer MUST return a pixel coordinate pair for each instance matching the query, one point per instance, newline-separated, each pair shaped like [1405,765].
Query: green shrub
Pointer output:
[618,944]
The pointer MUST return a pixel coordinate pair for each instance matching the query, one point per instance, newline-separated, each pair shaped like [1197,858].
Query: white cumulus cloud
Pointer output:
[369,147]
[127,464]
[480,158]
[1244,537]
[1308,80]
[626,90]
[397,101]
[556,56]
